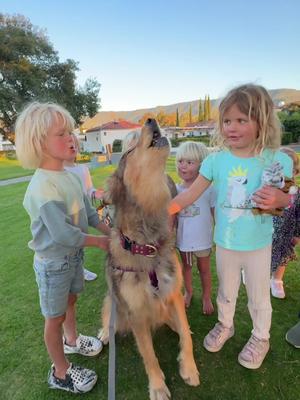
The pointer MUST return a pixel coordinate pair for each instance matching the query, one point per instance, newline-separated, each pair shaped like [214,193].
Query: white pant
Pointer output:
[256,265]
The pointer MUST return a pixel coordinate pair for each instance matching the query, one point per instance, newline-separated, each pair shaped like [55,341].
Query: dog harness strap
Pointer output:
[148,250]
[153,279]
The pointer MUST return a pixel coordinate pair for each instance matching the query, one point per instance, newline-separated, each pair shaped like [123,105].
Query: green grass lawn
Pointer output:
[12,169]
[24,362]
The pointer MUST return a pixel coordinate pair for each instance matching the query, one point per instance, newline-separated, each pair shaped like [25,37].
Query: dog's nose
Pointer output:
[152,123]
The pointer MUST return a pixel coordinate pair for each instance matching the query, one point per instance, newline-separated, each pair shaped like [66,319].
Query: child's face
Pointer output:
[188,170]
[58,146]
[239,131]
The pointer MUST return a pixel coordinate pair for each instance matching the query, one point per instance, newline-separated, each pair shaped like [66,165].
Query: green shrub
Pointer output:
[287,138]
[8,154]
[174,142]
[203,139]
[83,156]
[117,146]
[295,137]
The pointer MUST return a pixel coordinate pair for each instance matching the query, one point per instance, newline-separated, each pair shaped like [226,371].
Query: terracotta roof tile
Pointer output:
[115,125]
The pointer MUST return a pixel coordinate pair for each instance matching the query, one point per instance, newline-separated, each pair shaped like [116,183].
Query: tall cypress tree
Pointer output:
[205,108]
[208,107]
[177,117]
[190,114]
[200,111]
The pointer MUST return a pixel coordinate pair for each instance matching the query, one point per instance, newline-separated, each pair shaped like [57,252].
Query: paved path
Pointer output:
[11,181]
[114,159]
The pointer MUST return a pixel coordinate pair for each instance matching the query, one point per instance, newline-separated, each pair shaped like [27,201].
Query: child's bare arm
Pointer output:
[188,197]
[96,241]
[102,227]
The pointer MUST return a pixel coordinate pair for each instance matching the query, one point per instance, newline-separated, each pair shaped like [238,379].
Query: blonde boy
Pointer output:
[60,214]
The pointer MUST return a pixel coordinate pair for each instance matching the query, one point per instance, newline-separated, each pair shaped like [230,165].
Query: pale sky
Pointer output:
[161,52]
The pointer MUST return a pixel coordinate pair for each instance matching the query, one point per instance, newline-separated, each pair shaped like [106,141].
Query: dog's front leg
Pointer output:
[187,366]
[103,334]
[157,387]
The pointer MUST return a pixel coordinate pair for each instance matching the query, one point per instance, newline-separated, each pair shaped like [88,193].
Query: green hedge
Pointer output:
[287,138]
[204,139]
[117,146]
[8,154]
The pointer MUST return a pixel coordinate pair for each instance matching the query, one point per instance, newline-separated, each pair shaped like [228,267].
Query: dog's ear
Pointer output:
[116,185]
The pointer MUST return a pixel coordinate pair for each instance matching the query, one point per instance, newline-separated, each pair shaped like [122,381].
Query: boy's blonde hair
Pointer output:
[294,156]
[32,127]
[193,151]
[254,101]
[130,140]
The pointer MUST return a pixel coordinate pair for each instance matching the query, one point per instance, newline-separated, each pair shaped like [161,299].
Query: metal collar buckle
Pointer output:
[150,247]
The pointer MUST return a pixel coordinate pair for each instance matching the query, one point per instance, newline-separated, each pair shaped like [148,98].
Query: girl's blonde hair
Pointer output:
[130,140]
[193,151]
[294,156]
[32,127]
[254,101]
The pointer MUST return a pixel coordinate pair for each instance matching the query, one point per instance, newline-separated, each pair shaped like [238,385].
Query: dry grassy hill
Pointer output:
[278,95]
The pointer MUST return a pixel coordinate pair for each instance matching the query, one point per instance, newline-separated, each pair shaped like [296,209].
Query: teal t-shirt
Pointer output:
[235,180]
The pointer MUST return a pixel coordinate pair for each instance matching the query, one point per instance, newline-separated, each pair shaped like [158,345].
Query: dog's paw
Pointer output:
[189,373]
[161,393]
[103,336]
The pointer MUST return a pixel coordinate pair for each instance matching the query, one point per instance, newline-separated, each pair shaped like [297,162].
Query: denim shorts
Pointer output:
[56,279]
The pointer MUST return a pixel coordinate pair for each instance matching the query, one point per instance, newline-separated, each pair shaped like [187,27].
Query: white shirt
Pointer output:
[195,222]
[83,172]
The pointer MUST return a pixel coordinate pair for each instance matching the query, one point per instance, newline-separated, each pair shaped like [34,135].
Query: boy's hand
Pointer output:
[103,242]
[102,227]
[99,194]
[295,240]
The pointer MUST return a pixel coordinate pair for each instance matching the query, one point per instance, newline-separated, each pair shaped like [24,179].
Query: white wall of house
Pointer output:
[6,145]
[183,132]
[198,132]
[96,141]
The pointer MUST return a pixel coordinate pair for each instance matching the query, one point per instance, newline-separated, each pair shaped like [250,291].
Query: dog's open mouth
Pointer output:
[157,139]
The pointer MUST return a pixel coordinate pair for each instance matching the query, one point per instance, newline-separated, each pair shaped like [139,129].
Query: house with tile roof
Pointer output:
[98,139]
[6,145]
[195,129]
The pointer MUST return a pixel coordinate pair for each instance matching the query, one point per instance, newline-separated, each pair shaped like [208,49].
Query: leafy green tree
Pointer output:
[30,70]
[161,118]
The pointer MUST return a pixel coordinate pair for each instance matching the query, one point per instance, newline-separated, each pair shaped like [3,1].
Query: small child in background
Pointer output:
[82,171]
[195,224]
[286,233]
[60,215]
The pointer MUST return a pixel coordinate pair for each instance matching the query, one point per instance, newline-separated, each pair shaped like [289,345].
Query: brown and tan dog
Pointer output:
[143,271]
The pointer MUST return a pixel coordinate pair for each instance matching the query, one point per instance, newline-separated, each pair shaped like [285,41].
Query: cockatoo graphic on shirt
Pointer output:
[237,198]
